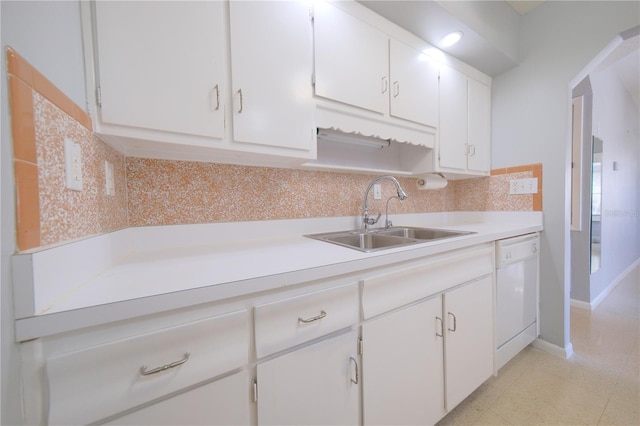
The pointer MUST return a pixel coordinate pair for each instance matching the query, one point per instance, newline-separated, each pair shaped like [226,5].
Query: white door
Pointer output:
[402,366]
[161,65]
[317,384]
[453,128]
[271,67]
[414,85]
[351,59]
[479,118]
[223,402]
[468,339]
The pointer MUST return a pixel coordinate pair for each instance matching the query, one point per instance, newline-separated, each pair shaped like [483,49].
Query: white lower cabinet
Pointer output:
[469,338]
[223,402]
[317,384]
[402,366]
[99,382]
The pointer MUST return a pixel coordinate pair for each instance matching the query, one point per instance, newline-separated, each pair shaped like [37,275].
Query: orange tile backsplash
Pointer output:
[162,192]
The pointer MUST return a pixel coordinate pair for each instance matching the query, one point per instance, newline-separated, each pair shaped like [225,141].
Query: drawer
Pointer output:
[90,384]
[289,322]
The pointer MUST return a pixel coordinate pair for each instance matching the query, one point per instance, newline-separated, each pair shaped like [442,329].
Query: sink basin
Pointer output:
[364,241]
[380,239]
[422,233]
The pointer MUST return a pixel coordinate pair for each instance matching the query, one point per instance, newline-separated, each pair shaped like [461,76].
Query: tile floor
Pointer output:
[598,385]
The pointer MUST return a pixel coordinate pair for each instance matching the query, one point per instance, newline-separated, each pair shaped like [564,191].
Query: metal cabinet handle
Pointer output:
[441,327]
[241,101]
[385,84]
[357,379]
[215,89]
[534,248]
[396,89]
[455,326]
[472,150]
[145,372]
[312,319]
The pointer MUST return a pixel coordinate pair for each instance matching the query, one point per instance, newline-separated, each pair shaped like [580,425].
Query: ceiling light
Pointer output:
[451,39]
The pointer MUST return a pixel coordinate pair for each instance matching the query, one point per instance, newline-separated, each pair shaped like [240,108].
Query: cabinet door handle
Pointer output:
[357,379]
[145,372]
[455,326]
[241,101]
[321,315]
[385,84]
[472,150]
[396,89]
[216,90]
[441,327]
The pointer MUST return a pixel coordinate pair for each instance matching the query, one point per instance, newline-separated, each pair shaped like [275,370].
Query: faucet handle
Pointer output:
[371,221]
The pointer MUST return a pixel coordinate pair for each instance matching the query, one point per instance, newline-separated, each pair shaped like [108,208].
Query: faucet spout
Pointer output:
[402,195]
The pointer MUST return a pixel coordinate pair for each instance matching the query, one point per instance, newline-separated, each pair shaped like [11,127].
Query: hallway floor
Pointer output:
[598,385]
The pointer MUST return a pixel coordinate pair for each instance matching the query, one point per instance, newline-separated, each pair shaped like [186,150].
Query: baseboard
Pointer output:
[604,293]
[561,352]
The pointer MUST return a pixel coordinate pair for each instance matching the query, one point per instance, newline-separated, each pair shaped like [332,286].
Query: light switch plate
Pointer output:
[110,187]
[377,191]
[72,165]
[523,186]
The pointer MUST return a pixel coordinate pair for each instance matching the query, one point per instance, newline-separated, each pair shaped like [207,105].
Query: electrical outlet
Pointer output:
[523,186]
[72,165]
[377,191]
[108,177]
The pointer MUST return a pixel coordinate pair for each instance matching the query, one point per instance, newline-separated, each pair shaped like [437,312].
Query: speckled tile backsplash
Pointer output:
[161,192]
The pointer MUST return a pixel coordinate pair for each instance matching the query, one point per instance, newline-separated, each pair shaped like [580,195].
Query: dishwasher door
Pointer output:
[517,286]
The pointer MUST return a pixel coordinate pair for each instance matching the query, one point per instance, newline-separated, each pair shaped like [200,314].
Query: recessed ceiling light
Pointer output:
[451,39]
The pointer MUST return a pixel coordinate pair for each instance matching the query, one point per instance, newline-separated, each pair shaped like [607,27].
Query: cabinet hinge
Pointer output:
[360,347]
[99,96]
[254,395]
[311,14]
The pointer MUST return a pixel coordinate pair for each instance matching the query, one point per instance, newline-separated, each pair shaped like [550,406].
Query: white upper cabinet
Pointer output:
[360,65]
[219,81]
[351,59]
[271,66]
[464,132]
[154,73]
[414,85]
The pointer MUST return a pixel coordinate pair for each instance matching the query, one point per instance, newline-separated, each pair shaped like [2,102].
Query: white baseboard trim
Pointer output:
[553,349]
[603,295]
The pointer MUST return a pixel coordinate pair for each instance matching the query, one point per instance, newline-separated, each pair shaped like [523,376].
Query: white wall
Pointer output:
[615,121]
[48,35]
[531,124]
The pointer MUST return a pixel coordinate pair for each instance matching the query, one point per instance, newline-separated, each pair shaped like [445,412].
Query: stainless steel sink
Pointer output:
[423,233]
[380,239]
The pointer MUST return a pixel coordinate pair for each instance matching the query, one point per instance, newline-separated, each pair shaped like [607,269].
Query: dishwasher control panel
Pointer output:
[517,248]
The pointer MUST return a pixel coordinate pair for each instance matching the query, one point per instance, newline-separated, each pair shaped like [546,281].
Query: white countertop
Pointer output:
[138,271]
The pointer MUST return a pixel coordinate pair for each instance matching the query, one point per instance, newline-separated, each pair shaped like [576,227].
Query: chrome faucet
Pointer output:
[365,215]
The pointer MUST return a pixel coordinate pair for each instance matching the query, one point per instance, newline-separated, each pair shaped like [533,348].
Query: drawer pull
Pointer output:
[312,319]
[145,372]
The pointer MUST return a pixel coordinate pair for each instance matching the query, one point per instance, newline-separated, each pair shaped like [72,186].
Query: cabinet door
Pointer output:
[223,402]
[453,128]
[469,338]
[414,85]
[479,111]
[351,59]
[271,67]
[161,65]
[312,385]
[402,366]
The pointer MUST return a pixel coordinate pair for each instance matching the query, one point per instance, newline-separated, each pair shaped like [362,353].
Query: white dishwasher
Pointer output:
[517,278]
